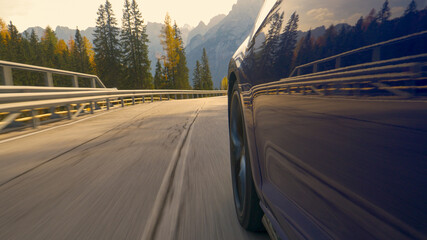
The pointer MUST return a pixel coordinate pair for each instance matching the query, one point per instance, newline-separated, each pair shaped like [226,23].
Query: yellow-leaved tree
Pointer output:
[4,32]
[61,47]
[224,83]
[4,38]
[171,45]
[90,52]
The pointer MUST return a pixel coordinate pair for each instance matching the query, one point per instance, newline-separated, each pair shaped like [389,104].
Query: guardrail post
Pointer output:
[122,101]
[91,107]
[315,68]
[338,62]
[143,99]
[325,90]
[7,76]
[93,83]
[48,79]
[75,81]
[152,98]
[161,98]
[176,97]
[376,54]
[357,89]
[69,115]
[54,115]
[133,100]
[36,121]
[169,97]
[108,104]
[338,88]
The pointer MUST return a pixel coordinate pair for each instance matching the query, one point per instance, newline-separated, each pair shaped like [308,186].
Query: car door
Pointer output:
[339,141]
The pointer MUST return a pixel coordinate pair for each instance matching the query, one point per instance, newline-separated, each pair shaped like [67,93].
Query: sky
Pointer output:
[82,13]
[315,13]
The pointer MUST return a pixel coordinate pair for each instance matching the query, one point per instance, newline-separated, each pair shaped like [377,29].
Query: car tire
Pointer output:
[246,200]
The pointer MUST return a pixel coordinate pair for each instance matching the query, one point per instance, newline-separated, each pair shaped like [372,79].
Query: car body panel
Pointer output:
[344,158]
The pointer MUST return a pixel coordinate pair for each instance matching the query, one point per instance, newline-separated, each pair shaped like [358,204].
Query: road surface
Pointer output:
[152,171]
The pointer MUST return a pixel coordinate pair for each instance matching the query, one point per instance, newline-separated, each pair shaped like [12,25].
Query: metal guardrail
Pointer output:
[375,54]
[404,77]
[34,89]
[22,104]
[8,67]
[46,107]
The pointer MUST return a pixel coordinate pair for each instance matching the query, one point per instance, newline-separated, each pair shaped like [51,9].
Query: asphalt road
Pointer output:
[152,171]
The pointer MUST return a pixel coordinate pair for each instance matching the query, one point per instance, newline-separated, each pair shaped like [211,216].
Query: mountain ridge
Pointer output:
[221,37]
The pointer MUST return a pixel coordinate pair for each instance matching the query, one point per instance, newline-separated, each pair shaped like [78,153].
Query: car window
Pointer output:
[297,32]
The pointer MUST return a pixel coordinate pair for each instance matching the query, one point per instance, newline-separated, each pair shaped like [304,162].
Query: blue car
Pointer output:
[328,120]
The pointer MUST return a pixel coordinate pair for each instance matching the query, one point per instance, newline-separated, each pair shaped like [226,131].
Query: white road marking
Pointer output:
[180,155]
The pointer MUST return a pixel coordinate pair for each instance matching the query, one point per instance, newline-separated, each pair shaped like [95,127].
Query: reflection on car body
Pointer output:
[327,116]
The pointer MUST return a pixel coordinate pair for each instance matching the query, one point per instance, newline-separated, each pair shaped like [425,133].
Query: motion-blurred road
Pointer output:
[151,171]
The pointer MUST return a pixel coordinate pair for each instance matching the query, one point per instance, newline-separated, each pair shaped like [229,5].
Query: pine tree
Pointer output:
[128,46]
[288,40]
[412,7]
[135,49]
[140,32]
[100,35]
[385,13]
[206,78]
[14,46]
[271,43]
[48,44]
[80,55]
[330,41]
[182,72]
[159,81]
[197,80]
[304,51]
[107,47]
[34,50]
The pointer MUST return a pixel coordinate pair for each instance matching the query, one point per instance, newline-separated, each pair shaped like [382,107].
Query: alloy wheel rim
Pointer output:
[238,153]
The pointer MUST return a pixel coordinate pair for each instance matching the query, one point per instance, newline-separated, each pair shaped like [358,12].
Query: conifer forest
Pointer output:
[118,55]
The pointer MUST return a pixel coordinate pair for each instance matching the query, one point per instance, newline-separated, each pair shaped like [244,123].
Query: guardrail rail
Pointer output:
[398,77]
[30,106]
[8,67]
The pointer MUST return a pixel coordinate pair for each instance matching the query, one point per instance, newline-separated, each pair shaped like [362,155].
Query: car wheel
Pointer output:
[246,200]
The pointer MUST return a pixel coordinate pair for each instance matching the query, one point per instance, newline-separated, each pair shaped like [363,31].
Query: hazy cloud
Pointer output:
[397,12]
[15,7]
[321,14]
[82,13]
